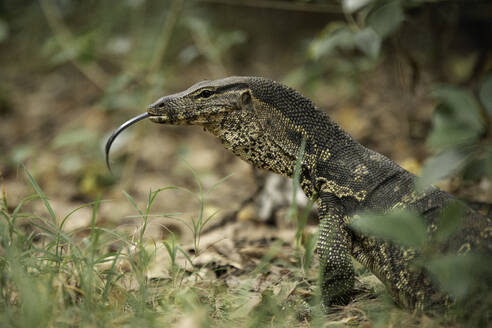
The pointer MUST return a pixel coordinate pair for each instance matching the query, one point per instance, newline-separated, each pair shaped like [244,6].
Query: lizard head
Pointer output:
[204,103]
[229,109]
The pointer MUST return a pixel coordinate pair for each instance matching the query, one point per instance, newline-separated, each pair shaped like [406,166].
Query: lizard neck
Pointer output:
[269,135]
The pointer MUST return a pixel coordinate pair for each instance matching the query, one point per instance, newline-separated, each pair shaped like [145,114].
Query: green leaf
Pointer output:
[439,167]
[479,166]
[447,131]
[450,220]
[335,36]
[485,94]
[401,226]
[4,30]
[456,120]
[369,42]
[462,103]
[459,274]
[386,18]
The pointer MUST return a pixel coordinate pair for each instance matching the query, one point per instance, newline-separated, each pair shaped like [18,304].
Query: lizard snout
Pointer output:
[157,108]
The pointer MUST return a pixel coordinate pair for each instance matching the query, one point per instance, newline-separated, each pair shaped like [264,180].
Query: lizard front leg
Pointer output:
[337,273]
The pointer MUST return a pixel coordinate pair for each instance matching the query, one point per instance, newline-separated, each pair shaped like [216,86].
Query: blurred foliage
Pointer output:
[402,226]
[460,136]
[210,43]
[351,46]
[466,277]
[457,119]
[379,22]
[485,93]
[4,30]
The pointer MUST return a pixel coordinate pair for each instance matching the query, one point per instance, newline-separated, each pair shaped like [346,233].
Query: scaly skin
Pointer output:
[264,123]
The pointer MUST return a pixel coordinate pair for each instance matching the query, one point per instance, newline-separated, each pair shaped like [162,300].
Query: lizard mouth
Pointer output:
[204,118]
[159,118]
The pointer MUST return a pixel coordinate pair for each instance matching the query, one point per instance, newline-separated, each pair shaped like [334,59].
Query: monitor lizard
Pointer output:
[265,123]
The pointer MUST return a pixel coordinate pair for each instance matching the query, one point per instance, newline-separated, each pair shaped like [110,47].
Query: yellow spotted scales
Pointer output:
[264,123]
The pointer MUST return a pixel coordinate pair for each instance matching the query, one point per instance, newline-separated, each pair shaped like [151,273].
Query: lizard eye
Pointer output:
[205,94]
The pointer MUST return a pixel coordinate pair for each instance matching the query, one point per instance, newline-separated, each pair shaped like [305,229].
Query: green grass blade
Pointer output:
[110,275]
[185,255]
[41,194]
[195,176]
[309,250]
[215,185]
[21,203]
[94,215]
[5,215]
[155,193]
[134,204]
[79,208]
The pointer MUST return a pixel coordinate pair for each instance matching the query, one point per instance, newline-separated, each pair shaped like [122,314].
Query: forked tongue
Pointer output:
[118,131]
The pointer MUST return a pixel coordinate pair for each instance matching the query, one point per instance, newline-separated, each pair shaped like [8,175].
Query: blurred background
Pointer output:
[409,79]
